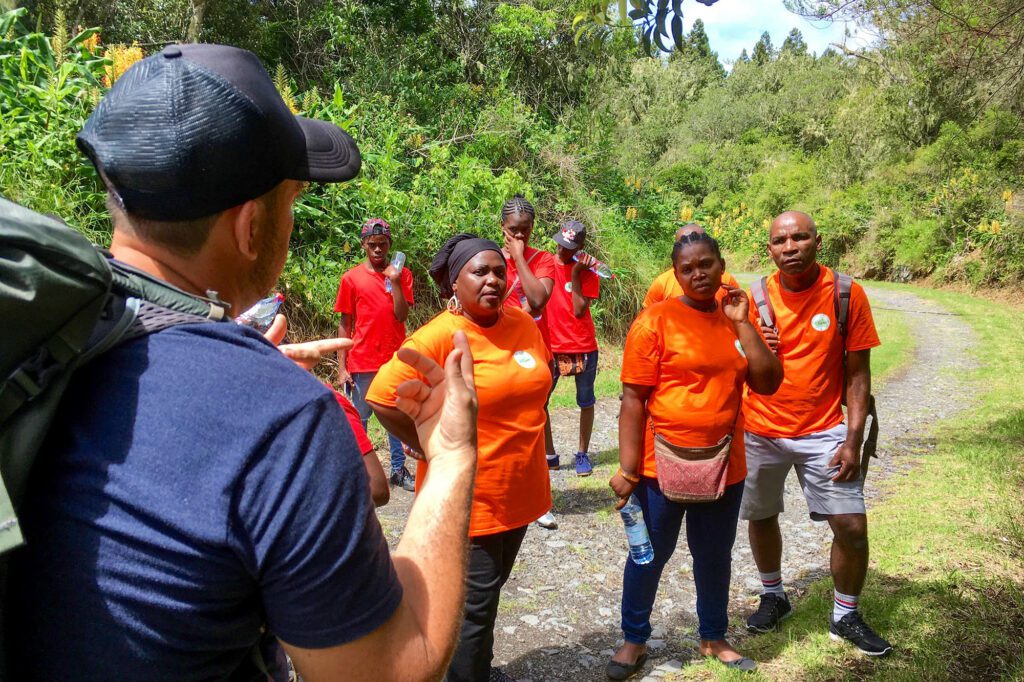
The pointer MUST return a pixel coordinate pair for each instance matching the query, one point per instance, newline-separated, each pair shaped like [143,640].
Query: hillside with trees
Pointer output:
[909,153]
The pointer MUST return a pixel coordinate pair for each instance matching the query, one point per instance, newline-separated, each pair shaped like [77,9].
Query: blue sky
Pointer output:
[732,25]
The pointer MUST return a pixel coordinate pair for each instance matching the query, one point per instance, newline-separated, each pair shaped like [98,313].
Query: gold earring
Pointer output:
[454,305]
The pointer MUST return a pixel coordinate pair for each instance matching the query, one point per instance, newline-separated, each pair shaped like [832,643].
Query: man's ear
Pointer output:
[245,221]
[723,264]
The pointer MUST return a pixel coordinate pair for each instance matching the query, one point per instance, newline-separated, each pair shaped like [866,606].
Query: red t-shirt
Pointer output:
[569,334]
[376,332]
[352,414]
[542,266]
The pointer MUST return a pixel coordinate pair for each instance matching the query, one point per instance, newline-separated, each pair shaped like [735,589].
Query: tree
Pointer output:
[764,52]
[744,57]
[975,48]
[656,20]
[794,43]
[697,41]
[195,24]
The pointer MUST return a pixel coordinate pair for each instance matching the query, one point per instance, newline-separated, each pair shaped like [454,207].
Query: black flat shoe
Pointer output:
[623,671]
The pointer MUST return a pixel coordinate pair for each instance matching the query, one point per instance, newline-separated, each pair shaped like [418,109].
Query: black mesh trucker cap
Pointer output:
[197,129]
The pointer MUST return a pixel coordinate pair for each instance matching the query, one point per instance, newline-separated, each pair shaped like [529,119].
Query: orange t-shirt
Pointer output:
[513,378]
[666,286]
[810,348]
[694,362]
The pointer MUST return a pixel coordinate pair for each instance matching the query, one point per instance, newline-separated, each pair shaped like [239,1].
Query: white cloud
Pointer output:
[733,25]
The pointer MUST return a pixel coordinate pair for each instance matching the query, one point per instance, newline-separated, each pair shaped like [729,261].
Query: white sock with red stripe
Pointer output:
[843,604]
[772,583]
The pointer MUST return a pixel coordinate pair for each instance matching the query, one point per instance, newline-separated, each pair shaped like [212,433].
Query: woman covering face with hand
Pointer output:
[512,376]
[684,368]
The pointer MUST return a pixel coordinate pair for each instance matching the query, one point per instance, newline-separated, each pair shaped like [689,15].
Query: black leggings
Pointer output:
[490,563]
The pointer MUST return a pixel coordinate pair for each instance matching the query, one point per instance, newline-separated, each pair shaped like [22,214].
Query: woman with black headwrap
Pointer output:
[510,368]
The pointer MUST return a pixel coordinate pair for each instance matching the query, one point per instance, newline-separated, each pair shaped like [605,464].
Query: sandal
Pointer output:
[623,671]
[745,664]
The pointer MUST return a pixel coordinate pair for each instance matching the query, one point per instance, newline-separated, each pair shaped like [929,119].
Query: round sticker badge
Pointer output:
[524,359]
[821,322]
[568,287]
[739,348]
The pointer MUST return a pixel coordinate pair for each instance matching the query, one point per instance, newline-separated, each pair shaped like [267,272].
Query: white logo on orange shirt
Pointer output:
[568,287]
[524,359]
[821,322]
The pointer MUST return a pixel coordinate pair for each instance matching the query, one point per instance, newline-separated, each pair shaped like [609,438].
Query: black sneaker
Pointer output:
[499,675]
[853,629]
[773,610]
[403,479]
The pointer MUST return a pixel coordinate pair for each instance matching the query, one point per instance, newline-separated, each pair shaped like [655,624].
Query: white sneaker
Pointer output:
[547,521]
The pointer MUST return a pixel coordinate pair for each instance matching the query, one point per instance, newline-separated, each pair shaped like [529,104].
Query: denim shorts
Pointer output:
[584,381]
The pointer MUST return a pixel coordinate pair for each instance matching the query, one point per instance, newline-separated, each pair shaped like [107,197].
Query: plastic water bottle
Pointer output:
[599,268]
[397,262]
[640,549]
[261,315]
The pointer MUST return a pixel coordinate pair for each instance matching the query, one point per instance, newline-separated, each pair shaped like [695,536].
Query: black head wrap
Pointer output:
[454,255]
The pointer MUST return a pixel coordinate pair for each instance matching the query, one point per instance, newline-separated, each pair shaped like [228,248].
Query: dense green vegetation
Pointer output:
[910,160]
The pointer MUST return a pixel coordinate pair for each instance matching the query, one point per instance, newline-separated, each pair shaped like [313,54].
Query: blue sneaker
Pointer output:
[583,465]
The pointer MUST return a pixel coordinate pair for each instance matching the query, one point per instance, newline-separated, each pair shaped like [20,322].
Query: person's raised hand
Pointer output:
[583,261]
[392,273]
[771,337]
[306,355]
[443,406]
[309,354]
[516,247]
[735,305]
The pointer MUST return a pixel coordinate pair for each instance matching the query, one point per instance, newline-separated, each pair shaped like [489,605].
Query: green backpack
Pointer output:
[841,303]
[66,302]
[63,301]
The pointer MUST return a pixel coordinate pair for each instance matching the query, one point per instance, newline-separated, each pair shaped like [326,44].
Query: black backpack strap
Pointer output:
[759,291]
[870,447]
[842,285]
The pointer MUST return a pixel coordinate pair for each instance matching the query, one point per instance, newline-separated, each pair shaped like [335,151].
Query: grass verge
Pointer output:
[946,584]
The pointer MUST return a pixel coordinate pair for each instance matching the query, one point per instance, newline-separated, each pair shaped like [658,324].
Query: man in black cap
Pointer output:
[198,488]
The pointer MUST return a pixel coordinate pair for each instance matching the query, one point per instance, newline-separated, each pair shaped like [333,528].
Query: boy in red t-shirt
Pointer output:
[571,328]
[374,299]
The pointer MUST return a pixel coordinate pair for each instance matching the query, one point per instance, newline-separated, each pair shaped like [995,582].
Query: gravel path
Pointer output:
[559,614]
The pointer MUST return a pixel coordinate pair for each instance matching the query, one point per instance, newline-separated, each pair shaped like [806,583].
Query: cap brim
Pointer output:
[563,242]
[331,154]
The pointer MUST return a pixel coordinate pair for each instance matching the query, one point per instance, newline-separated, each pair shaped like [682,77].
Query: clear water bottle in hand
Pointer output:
[397,262]
[640,549]
[261,315]
[599,268]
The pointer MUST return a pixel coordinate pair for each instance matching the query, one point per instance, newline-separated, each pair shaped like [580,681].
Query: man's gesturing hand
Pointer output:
[306,355]
[443,407]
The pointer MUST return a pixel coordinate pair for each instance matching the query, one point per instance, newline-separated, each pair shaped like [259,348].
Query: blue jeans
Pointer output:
[584,381]
[362,385]
[710,534]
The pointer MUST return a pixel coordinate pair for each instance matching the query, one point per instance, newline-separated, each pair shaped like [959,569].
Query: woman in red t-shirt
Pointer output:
[684,367]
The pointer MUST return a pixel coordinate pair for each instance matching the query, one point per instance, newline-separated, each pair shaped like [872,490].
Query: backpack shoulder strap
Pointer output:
[842,286]
[759,290]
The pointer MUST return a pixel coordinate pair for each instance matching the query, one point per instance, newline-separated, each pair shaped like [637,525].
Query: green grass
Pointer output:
[897,347]
[946,583]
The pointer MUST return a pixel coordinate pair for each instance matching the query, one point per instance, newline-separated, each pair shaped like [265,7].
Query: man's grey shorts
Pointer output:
[768,464]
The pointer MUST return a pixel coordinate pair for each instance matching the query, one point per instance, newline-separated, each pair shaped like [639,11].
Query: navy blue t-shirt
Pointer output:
[195,485]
